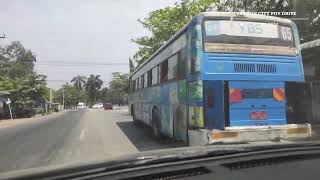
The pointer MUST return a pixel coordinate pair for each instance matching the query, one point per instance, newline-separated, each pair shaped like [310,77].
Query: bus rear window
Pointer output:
[248,33]
[257,93]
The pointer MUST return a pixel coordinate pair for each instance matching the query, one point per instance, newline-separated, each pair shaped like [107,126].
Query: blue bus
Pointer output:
[221,71]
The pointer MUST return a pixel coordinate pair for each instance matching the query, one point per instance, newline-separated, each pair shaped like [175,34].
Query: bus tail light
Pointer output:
[279,94]
[235,95]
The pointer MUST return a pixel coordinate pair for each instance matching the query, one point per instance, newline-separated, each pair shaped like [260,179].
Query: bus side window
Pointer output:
[164,71]
[138,82]
[149,83]
[145,79]
[172,67]
[182,58]
[155,75]
[133,85]
[142,81]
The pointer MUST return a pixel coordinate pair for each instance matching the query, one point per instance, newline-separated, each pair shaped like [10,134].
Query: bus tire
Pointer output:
[133,115]
[156,123]
[131,110]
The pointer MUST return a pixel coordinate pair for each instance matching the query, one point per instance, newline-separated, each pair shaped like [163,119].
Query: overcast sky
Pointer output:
[76,31]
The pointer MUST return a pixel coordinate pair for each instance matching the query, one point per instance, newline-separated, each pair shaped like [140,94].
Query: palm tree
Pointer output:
[79,82]
[94,83]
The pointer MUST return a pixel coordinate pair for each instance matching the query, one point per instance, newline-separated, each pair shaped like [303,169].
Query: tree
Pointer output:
[26,92]
[16,61]
[79,82]
[27,88]
[118,88]
[69,94]
[131,66]
[104,94]
[94,83]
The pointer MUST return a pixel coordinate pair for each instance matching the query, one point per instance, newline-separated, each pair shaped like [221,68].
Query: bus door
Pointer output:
[256,103]
[214,104]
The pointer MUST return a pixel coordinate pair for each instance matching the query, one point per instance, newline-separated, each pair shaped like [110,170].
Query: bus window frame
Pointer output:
[164,65]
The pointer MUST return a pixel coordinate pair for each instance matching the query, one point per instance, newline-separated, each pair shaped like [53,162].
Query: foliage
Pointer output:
[25,92]
[117,91]
[309,30]
[131,65]
[79,82]
[119,82]
[93,85]
[16,61]
[71,95]
[27,88]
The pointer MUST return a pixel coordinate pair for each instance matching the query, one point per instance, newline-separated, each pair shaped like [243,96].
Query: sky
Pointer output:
[86,33]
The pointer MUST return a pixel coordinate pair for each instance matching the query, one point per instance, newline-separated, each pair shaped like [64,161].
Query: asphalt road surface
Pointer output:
[75,136]
[72,136]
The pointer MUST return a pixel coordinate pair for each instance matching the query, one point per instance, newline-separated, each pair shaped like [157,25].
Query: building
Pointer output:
[304,98]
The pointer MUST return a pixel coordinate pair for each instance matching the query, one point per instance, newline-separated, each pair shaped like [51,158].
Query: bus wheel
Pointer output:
[131,111]
[156,123]
[133,115]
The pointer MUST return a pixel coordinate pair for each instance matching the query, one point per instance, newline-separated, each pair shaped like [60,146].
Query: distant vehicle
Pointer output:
[107,106]
[97,106]
[81,105]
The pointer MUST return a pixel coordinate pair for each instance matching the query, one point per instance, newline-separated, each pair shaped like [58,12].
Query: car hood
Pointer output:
[155,156]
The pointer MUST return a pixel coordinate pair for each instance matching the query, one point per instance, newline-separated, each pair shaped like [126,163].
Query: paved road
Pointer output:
[72,136]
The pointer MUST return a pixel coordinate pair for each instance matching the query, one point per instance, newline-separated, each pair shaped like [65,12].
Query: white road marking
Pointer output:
[82,134]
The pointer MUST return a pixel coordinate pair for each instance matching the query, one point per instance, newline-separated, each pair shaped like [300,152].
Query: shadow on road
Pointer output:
[142,138]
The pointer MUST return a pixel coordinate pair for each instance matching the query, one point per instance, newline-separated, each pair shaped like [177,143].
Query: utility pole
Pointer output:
[50,97]
[8,102]
[63,103]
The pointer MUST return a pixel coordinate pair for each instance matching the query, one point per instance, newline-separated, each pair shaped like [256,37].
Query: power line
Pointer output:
[55,80]
[82,64]
[79,63]
[65,81]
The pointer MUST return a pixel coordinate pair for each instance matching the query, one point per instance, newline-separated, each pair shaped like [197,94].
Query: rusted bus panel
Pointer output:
[166,121]
[145,113]
[196,117]
[195,90]
[174,93]
[180,124]
[182,94]
[252,49]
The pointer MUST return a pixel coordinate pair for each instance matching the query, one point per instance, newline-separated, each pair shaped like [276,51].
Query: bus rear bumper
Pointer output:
[248,134]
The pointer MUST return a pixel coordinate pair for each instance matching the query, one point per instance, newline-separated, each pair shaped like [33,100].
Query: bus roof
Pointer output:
[247,16]
[250,16]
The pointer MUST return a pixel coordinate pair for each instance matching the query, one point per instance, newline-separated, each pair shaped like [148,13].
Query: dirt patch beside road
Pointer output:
[11,122]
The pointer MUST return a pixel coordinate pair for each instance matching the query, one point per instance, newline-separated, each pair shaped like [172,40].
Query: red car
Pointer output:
[107,106]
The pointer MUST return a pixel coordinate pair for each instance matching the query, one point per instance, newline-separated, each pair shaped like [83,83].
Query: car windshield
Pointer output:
[82,81]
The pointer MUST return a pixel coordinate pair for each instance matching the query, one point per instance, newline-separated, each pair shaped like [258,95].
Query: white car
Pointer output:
[81,105]
[97,106]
